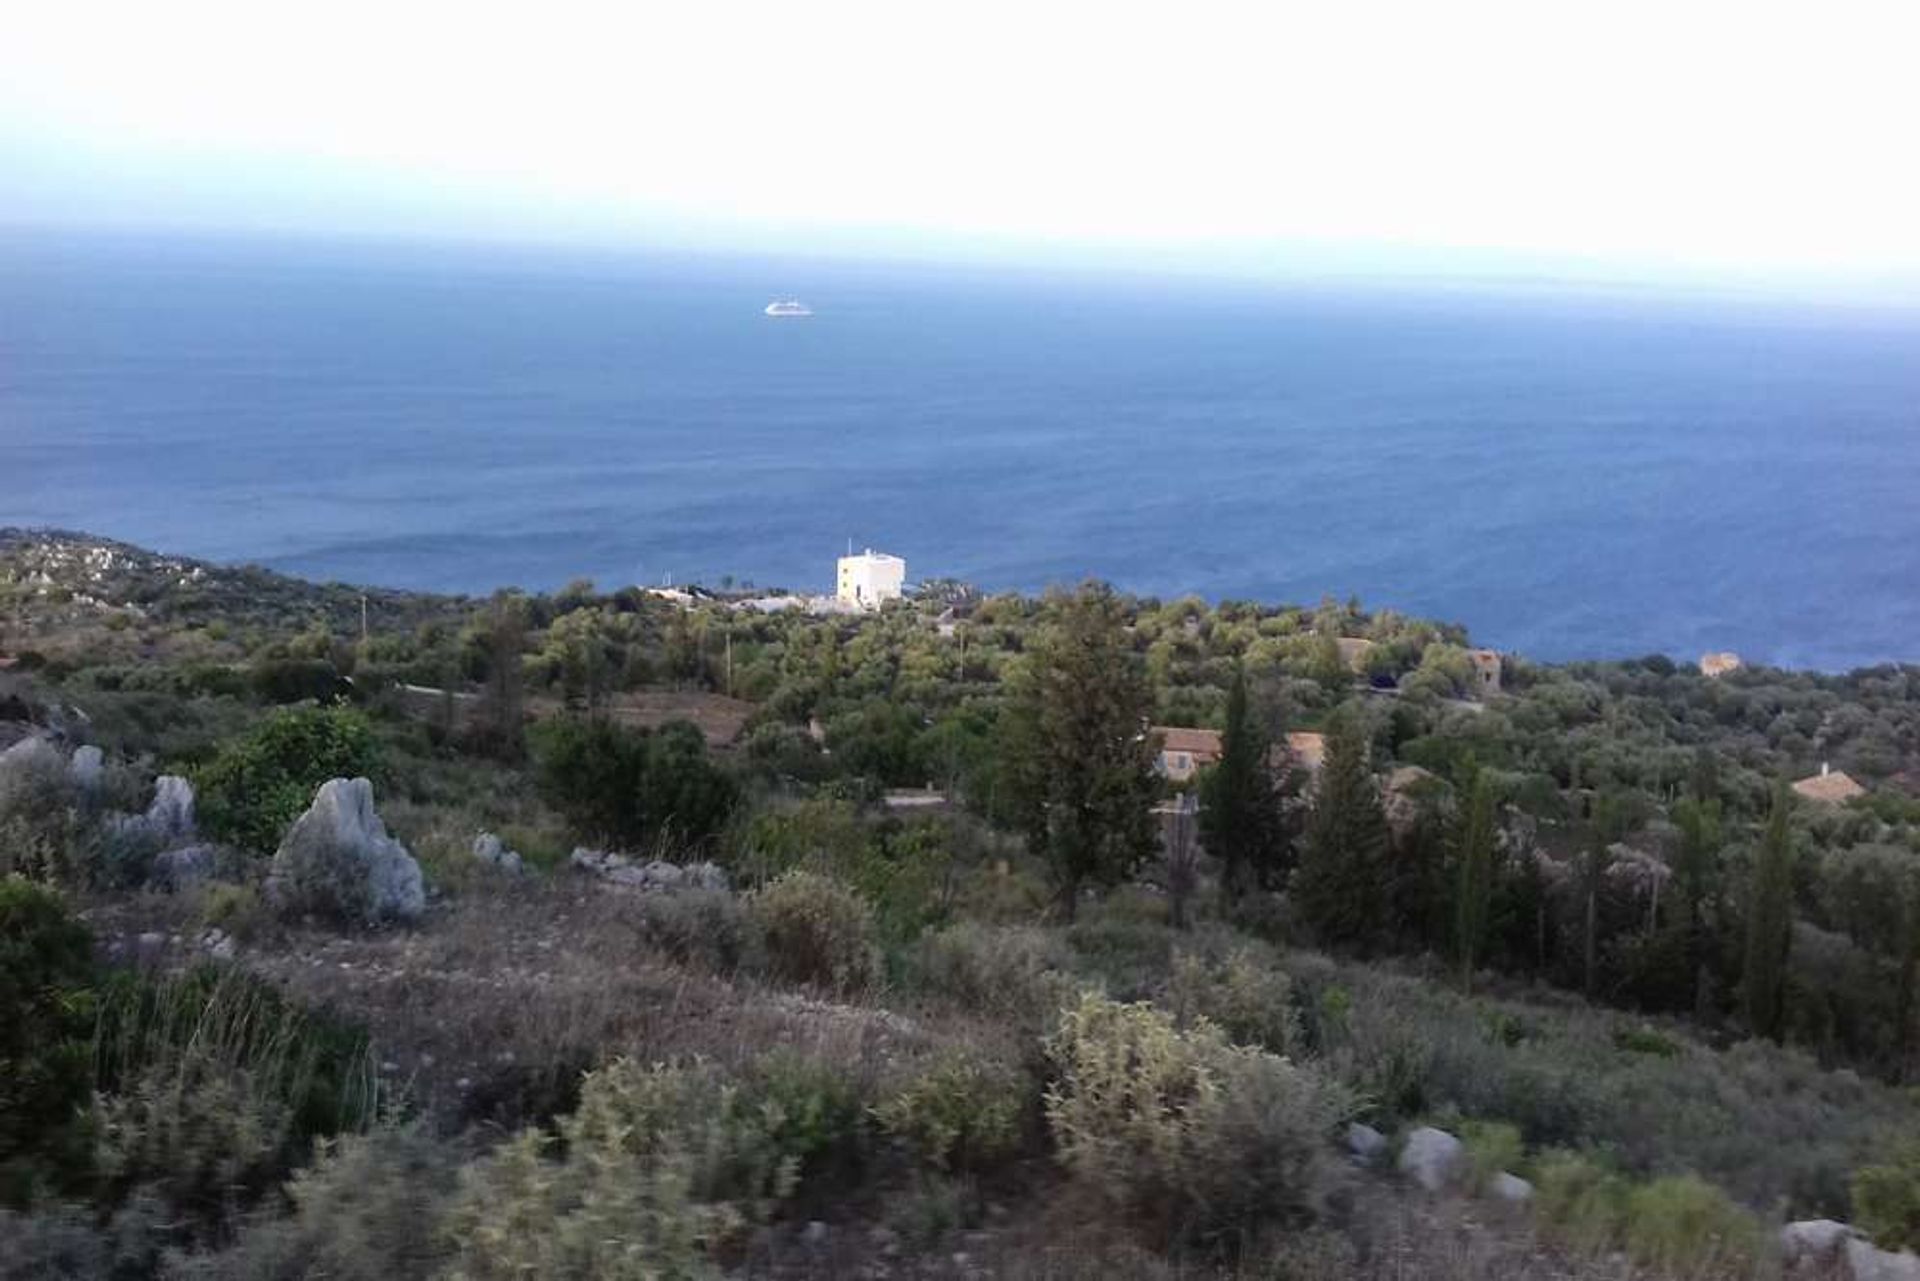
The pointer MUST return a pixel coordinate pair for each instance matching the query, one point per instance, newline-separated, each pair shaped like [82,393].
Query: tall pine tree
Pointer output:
[1339,888]
[1080,759]
[1770,924]
[1240,804]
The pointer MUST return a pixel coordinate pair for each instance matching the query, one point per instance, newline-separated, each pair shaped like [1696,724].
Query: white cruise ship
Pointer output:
[788,307]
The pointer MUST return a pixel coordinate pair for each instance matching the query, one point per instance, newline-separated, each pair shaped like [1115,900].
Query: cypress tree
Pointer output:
[1240,804]
[1080,758]
[1770,924]
[1696,868]
[1474,889]
[1341,883]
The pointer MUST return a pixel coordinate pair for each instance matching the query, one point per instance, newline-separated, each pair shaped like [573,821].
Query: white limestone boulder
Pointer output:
[338,861]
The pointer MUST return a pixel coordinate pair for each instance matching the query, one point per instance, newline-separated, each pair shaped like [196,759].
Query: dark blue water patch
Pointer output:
[1568,475]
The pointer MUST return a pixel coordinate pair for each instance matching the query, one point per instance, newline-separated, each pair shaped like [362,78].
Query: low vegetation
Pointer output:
[913,966]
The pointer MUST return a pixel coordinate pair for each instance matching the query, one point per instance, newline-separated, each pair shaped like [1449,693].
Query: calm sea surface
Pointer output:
[1569,475]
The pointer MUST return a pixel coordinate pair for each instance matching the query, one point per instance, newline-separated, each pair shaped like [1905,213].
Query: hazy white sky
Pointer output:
[1695,136]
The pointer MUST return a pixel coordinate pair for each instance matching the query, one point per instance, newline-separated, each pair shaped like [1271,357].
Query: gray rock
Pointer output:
[184,867]
[1510,1188]
[337,860]
[35,752]
[34,769]
[815,1233]
[217,943]
[1868,1263]
[86,768]
[586,860]
[663,876]
[491,850]
[1365,1143]
[171,814]
[1813,1240]
[707,876]
[634,876]
[1432,1158]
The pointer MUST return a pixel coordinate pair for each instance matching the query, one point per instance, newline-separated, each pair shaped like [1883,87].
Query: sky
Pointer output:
[1690,138]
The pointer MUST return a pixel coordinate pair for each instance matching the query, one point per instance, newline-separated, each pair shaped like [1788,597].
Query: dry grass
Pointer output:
[509,992]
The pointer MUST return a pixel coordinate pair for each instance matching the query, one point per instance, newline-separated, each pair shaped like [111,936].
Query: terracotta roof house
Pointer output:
[1486,671]
[1719,664]
[1184,752]
[1308,749]
[1829,787]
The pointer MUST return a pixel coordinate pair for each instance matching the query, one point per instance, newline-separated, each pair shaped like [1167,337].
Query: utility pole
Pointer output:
[729,662]
[363,618]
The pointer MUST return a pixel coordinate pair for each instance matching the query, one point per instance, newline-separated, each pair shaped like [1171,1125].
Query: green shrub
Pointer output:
[70,1243]
[258,784]
[202,1138]
[236,909]
[711,928]
[368,1208]
[46,1018]
[1886,1198]
[1015,972]
[813,1114]
[1243,995]
[1580,1198]
[817,931]
[1684,1225]
[1644,1040]
[1124,953]
[1493,1147]
[960,1113]
[630,787]
[1184,1129]
[934,1205]
[211,1086]
[41,828]
[658,1167]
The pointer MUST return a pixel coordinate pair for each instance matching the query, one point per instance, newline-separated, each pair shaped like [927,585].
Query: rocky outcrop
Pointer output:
[338,861]
[653,877]
[1813,1241]
[170,817]
[33,762]
[1432,1158]
[183,867]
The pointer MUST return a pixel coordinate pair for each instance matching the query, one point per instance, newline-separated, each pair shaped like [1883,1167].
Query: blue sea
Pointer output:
[1570,473]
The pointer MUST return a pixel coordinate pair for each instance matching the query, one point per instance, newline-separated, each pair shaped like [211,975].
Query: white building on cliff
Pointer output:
[871,579]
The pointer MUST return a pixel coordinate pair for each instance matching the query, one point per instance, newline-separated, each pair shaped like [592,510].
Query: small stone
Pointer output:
[1365,1143]
[1511,1188]
[815,1233]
